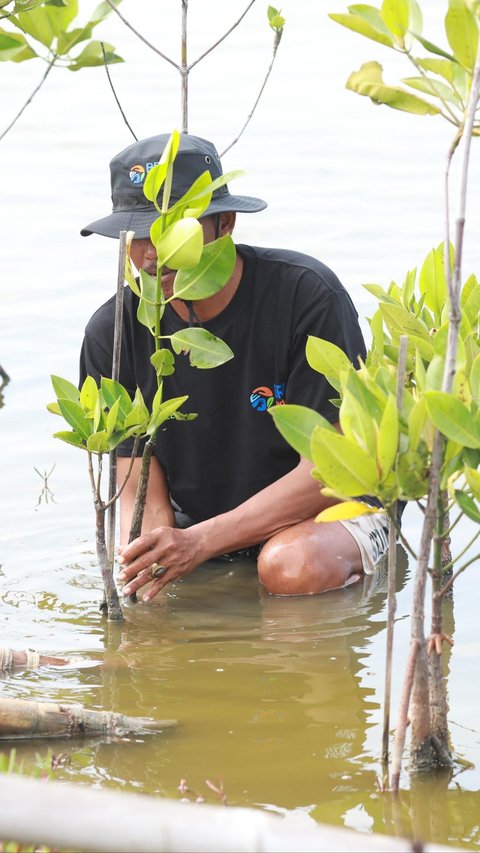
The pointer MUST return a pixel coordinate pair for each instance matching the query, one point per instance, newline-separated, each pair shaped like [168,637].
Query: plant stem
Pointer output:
[276,42]
[114,610]
[392,568]
[402,724]
[184,69]
[142,38]
[438,694]
[117,346]
[30,99]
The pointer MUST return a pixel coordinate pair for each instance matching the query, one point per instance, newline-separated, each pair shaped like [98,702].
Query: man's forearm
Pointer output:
[288,501]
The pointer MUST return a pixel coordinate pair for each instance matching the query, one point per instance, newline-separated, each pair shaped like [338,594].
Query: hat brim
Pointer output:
[140,220]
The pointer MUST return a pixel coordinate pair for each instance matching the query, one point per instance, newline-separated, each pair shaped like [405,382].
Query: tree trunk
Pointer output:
[111,600]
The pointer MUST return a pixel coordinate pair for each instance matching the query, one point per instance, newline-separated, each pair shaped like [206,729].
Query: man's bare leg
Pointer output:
[309,558]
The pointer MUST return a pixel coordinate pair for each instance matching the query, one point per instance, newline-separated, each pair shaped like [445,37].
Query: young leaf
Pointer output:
[205,350]
[475,380]
[146,306]
[163,411]
[396,16]
[326,358]
[387,440]
[92,55]
[98,442]
[433,48]
[89,395]
[453,419]
[468,506]
[342,465]
[180,247]
[472,477]
[64,389]
[71,438]
[359,25]
[433,283]
[113,391]
[368,81]
[296,424]
[416,422]
[212,272]
[112,418]
[462,33]
[73,414]
[357,423]
[163,361]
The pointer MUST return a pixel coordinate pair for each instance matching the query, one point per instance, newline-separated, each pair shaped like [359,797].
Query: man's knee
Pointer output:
[299,562]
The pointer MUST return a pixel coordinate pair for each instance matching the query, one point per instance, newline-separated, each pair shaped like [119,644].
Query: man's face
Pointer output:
[144,256]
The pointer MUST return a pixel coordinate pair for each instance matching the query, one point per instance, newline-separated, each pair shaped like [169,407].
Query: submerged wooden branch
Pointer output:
[29,659]
[24,718]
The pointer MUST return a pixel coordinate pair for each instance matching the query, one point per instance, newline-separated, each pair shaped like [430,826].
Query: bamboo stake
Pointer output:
[29,659]
[117,346]
[24,718]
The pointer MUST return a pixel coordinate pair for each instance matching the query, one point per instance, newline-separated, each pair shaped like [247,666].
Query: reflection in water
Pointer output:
[4,380]
[270,695]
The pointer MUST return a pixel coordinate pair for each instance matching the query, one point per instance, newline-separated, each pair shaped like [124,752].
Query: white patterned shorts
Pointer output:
[370,532]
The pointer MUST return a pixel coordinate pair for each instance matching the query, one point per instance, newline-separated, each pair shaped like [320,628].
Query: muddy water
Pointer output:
[279,699]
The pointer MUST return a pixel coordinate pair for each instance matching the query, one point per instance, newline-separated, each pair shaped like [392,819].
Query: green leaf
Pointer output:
[453,419]
[432,87]
[342,465]
[205,350]
[296,424]
[357,424]
[412,473]
[376,328]
[360,25]
[73,414]
[396,16]
[368,81]
[113,391]
[472,477]
[163,361]
[275,19]
[101,12]
[163,411]
[462,33]
[14,47]
[379,293]
[98,442]
[180,247]
[92,55]
[433,283]
[402,322]
[89,394]
[67,40]
[71,438]
[326,358]
[65,389]
[146,306]
[53,408]
[112,418]
[475,380]
[442,67]
[36,23]
[387,439]
[433,48]
[212,272]
[416,423]
[468,506]
[197,198]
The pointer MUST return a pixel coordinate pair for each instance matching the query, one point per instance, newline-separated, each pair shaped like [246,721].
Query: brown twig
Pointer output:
[142,38]
[209,50]
[114,92]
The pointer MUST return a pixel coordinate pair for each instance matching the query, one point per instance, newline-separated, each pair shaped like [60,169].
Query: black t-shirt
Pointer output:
[232,449]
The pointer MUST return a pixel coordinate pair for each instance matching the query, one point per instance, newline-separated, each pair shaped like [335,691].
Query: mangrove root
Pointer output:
[30,659]
[24,718]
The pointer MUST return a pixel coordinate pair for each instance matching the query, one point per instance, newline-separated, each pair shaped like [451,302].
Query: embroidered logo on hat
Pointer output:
[137,174]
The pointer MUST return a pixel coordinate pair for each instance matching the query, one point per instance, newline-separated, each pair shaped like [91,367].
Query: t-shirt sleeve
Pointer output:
[330,316]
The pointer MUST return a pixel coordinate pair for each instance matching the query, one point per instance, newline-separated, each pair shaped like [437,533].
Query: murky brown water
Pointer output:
[280,699]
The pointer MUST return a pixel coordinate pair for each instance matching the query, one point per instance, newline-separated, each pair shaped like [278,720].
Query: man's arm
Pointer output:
[291,499]
[158,509]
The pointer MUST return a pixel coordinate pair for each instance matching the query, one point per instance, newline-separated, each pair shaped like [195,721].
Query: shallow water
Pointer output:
[279,699]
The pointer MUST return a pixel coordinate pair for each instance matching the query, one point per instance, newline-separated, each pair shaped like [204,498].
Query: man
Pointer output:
[227,480]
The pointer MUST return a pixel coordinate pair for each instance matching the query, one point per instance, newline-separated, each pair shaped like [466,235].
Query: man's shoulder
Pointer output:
[291,265]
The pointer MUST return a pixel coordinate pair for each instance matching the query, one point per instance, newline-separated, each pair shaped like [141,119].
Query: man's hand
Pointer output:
[176,550]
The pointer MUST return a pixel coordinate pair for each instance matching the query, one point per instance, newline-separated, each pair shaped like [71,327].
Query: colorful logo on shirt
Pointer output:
[263,398]
[137,174]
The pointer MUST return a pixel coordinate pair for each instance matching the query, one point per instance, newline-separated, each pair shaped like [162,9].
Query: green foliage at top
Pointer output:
[443,75]
[35,26]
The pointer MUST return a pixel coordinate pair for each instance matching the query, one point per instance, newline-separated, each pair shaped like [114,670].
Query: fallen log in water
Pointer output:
[24,718]
[29,659]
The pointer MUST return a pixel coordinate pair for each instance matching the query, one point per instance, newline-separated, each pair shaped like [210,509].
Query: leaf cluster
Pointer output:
[51,24]
[443,75]
[102,417]
[385,448]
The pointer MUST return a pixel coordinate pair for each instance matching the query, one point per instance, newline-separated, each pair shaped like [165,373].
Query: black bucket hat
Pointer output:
[133,212]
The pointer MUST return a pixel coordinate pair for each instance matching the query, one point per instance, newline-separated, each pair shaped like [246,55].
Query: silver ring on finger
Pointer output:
[157,571]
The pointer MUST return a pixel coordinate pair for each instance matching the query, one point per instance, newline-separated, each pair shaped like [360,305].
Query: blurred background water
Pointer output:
[280,699]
